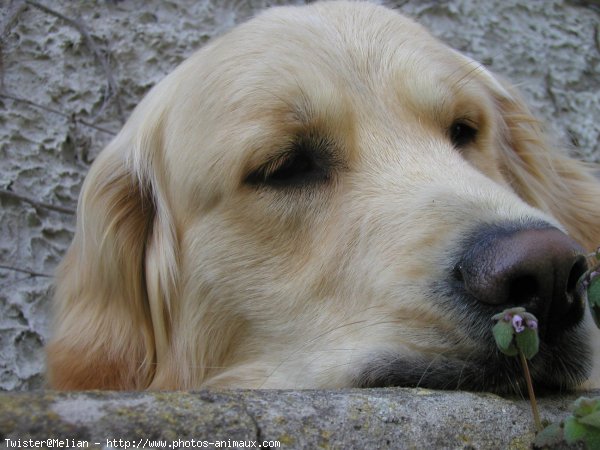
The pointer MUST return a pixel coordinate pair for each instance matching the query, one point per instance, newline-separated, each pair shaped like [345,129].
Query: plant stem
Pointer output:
[534,406]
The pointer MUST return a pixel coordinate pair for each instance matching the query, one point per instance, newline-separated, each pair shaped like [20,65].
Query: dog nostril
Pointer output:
[523,289]
[567,306]
[579,268]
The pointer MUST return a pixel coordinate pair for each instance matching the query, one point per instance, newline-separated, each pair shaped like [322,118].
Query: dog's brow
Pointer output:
[303,108]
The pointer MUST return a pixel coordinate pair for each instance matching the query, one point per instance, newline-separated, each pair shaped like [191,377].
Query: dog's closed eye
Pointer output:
[309,160]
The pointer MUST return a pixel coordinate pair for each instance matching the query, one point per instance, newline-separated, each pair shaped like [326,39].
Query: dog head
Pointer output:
[326,196]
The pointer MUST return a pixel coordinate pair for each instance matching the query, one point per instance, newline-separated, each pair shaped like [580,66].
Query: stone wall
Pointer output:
[345,419]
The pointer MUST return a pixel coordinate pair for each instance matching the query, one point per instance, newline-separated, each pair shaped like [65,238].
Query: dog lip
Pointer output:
[560,367]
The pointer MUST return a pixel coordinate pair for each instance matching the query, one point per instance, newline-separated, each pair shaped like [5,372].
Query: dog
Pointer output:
[325,197]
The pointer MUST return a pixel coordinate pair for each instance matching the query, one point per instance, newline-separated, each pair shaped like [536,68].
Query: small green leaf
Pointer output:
[592,438]
[593,420]
[594,291]
[593,297]
[504,334]
[587,412]
[528,342]
[498,316]
[585,405]
[574,431]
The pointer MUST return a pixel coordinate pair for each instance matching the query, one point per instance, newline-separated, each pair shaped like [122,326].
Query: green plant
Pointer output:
[582,426]
[588,287]
[516,333]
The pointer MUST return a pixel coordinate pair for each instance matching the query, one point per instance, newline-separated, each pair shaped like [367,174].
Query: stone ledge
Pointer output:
[352,418]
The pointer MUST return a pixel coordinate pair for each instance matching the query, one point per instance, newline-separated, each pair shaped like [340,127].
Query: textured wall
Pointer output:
[72,73]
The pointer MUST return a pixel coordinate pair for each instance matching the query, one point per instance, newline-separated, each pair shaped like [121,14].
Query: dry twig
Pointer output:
[71,117]
[35,203]
[27,271]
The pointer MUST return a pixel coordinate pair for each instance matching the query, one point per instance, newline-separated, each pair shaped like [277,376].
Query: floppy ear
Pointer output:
[111,310]
[545,177]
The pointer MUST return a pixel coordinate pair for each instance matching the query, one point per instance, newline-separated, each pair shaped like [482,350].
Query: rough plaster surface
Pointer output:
[70,75]
[344,419]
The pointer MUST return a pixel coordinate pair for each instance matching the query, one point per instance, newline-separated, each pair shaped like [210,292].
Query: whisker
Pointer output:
[437,356]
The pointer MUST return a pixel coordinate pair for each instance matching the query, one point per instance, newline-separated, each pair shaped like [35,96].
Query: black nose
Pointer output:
[534,268]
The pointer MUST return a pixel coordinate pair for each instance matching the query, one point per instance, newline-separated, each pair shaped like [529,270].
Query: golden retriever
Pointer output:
[327,196]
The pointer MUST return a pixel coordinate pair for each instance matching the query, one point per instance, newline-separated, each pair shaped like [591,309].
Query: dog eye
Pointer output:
[295,168]
[462,134]
[290,169]
[309,159]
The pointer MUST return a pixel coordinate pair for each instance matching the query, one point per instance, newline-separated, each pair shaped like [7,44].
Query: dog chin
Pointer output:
[562,367]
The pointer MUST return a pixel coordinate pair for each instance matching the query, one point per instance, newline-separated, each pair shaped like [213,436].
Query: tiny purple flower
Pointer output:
[517,323]
[532,324]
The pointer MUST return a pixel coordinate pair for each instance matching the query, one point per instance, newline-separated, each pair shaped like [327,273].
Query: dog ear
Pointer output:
[111,307]
[540,173]
[546,177]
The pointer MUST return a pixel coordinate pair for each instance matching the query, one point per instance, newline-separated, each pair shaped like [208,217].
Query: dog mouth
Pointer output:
[563,362]
[560,367]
